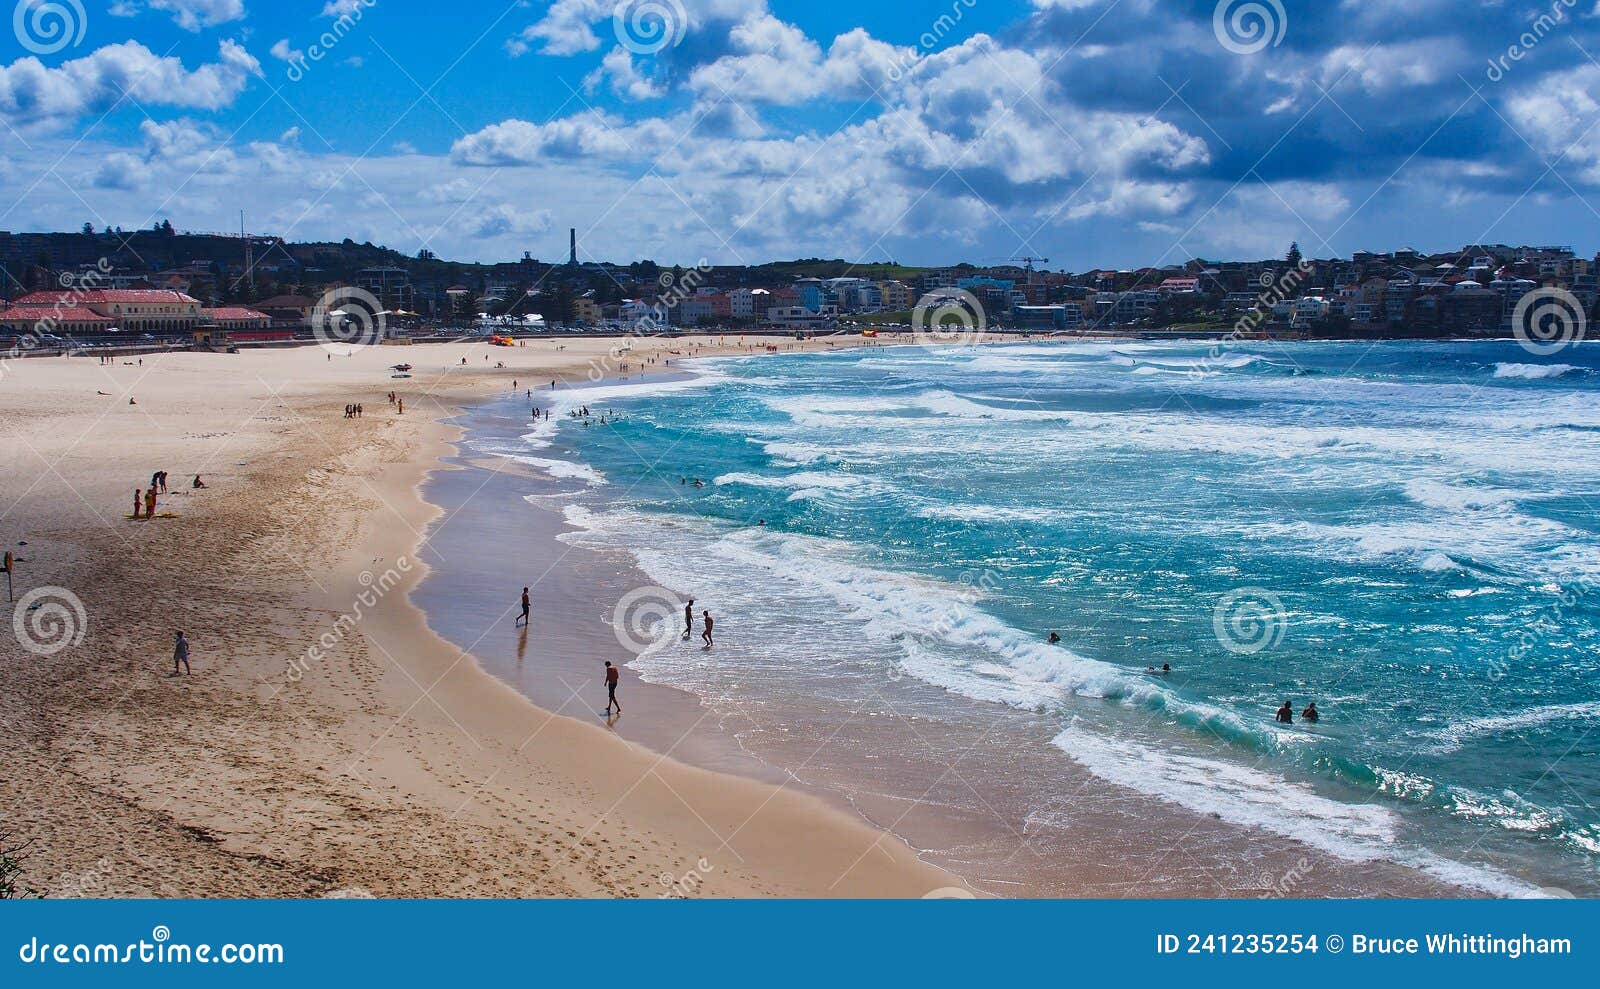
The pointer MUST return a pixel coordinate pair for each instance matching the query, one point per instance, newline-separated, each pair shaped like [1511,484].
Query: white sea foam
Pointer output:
[807,485]
[1454,736]
[564,469]
[1436,494]
[1252,797]
[1534,372]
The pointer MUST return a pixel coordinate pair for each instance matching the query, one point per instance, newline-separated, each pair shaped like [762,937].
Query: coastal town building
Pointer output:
[159,311]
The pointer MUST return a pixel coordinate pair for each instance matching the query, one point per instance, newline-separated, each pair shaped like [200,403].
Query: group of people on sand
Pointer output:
[353,411]
[147,498]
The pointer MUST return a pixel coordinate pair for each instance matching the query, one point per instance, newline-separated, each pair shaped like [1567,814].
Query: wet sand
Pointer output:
[978,788]
[328,742]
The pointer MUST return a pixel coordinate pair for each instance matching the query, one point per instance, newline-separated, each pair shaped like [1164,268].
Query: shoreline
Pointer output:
[968,843]
[385,764]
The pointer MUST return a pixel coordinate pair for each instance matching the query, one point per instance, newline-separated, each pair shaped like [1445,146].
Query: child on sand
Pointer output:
[180,654]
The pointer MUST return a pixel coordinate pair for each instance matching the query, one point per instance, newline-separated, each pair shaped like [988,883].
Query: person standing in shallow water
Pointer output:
[526,604]
[705,635]
[612,676]
[1286,713]
[688,619]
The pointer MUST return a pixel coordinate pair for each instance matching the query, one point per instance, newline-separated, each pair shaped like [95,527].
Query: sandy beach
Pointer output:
[328,743]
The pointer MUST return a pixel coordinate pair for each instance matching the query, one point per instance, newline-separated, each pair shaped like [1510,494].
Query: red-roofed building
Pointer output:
[236,318]
[133,310]
[62,321]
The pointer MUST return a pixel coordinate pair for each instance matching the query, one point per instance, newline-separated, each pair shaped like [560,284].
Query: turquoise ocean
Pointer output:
[1406,533]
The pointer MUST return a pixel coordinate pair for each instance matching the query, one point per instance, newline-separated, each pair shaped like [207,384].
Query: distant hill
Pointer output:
[840,268]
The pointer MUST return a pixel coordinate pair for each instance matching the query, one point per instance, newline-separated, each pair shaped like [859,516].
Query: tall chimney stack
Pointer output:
[572,235]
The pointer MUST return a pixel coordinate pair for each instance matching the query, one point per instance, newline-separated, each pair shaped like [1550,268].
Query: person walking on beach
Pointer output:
[688,619]
[613,674]
[180,654]
[136,512]
[526,604]
[1286,714]
[705,634]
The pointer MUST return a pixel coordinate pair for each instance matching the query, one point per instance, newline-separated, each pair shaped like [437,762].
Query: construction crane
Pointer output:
[1027,264]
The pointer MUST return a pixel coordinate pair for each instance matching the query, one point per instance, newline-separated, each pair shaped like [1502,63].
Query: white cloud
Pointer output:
[33,96]
[504,218]
[192,15]
[1555,113]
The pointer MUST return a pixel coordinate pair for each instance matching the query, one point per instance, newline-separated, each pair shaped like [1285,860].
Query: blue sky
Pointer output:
[1092,132]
